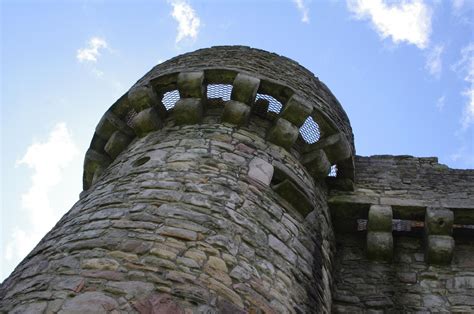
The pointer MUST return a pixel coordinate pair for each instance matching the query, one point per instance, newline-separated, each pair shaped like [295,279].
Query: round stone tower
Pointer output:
[204,192]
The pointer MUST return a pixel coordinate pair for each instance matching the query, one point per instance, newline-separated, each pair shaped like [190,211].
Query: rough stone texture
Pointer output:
[420,191]
[408,184]
[212,210]
[261,64]
[407,284]
[186,221]
[235,112]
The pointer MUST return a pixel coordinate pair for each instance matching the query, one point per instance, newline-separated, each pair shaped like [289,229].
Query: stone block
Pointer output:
[379,245]
[293,195]
[142,97]
[283,133]
[317,163]
[116,144]
[188,111]
[90,302]
[235,112]
[380,218]
[439,221]
[146,121]
[245,89]
[282,249]
[260,170]
[109,123]
[339,151]
[92,162]
[191,85]
[296,110]
[439,249]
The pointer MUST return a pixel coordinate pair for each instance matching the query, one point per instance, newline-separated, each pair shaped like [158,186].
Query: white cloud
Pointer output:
[434,63]
[458,5]
[440,103]
[465,67]
[464,155]
[92,51]
[407,21]
[303,8]
[48,161]
[188,21]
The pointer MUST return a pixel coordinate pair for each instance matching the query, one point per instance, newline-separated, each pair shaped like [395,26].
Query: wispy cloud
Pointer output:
[464,155]
[92,51]
[188,21]
[440,103]
[48,161]
[407,21]
[302,6]
[434,62]
[465,67]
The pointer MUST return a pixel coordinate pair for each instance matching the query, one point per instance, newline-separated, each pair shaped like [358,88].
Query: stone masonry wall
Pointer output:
[420,179]
[261,64]
[177,223]
[407,284]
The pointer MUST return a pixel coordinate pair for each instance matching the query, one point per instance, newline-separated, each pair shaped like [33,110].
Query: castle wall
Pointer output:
[177,220]
[407,284]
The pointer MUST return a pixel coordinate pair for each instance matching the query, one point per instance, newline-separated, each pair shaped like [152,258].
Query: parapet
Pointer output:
[234,85]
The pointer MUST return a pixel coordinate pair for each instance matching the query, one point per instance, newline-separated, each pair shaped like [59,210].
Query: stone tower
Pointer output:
[206,190]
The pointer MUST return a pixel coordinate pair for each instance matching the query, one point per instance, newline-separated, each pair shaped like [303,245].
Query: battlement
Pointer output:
[226,181]
[294,109]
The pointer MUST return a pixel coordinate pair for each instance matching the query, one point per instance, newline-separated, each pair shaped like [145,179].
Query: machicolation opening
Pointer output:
[226,181]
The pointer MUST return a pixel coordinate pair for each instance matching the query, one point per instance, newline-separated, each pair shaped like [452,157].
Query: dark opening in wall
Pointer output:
[140,161]
[333,171]
[170,98]
[218,93]
[273,104]
[310,131]
[291,191]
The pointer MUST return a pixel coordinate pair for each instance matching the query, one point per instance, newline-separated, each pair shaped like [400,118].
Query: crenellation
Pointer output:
[221,203]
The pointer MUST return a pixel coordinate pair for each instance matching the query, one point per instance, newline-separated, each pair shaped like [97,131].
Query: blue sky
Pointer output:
[403,71]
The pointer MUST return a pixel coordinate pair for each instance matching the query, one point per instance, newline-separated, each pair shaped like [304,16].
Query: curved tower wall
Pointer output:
[200,206]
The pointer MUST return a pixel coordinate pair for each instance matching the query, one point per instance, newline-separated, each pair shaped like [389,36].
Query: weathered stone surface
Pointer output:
[235,112]
[296,110]
[116,144]
[380,245]
[317,163]
[439,221]
[142,97]
[245,89]
[283,133]
[188,111]
[190,84]
[282,249]
[380,218]
[439,249]
[260,170]
[182,216]
[100,263]
[293,195]
[111,123]
[146,121]
[89,302]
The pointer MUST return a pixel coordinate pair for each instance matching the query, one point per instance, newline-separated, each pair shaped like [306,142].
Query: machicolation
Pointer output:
[226,181]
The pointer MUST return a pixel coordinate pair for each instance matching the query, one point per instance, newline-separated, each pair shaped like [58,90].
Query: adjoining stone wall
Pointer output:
[421,179]
[407,284]
[182,220]
[418,192]
[408,184]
